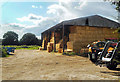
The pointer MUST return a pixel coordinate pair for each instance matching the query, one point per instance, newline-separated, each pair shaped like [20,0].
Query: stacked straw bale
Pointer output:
[81,36]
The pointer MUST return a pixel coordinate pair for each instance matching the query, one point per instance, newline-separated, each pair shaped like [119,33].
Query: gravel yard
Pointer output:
[41,65]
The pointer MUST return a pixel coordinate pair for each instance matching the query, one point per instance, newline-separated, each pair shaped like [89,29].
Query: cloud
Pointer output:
[40,23]
[57,13]
[11,27]
[42,26]
[35,19]
[33,6]
[20,29]
[40,7]
[16,26]
[69,10]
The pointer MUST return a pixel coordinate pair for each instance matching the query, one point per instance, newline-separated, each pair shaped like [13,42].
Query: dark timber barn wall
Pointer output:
[78,33]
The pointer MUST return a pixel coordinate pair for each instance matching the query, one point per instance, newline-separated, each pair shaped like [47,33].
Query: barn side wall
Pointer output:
[81,36]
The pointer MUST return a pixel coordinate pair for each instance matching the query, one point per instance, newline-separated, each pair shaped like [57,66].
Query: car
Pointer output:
[94,49]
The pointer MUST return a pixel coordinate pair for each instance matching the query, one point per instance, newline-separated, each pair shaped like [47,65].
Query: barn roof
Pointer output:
[95,20]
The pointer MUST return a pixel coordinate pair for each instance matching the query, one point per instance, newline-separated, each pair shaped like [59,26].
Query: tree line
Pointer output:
[11,38]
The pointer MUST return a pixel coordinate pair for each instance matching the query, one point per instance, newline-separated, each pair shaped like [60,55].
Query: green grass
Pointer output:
[32,47]
[69,53]
[4,53]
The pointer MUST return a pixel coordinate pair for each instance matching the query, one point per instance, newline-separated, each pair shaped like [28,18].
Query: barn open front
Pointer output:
[73,35]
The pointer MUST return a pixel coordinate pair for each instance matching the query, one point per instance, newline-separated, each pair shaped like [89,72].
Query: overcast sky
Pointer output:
[36,17]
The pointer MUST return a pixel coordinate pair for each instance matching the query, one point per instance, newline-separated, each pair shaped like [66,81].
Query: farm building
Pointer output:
[78,33]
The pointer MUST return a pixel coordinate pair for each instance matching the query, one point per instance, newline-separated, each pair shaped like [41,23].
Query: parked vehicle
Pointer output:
[110,55]
[94,49]
[9,49]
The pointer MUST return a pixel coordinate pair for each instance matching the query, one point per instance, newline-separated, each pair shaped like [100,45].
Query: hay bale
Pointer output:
[73,29]
[60,50]
[49,48]
[41,48]
[69,45]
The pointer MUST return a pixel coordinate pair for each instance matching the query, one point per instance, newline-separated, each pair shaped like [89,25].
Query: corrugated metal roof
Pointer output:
[95,20]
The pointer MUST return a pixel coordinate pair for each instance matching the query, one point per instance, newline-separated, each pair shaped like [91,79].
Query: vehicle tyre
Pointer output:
[90,57]
[111,66]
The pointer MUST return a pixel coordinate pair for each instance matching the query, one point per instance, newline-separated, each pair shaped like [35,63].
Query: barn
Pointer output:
[78,33]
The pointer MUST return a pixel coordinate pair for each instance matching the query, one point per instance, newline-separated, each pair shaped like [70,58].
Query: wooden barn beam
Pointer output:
[49,35]
[63,37]
[42,39]
[54,41]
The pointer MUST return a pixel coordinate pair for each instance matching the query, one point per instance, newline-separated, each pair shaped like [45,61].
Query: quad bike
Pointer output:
[110,56]
[94,49]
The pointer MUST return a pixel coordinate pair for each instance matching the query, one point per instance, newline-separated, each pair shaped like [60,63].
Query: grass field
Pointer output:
[4,50]
[33,47]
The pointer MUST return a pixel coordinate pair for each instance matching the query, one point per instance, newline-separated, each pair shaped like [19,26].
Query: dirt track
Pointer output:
[40,65]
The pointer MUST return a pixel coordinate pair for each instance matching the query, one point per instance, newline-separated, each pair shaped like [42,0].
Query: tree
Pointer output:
[39,42]
[29,39]
[116,3]
[10,38]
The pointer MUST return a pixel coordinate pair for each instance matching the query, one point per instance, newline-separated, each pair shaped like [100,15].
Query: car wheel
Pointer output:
[111,66]
[90,57]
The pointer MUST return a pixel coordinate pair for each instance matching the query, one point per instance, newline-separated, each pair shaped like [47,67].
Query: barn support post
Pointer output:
[42,39]
[49,35]
[63,37]
[54,41]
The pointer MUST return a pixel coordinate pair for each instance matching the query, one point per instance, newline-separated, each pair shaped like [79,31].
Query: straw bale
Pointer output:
[69,50]
[84,50]
[87,28]
[80,36]
[60,50]
[93,28]
[52,39]
[58,46]
[43,43]
[79,28]
[73,29]
[49,48]
[69,45]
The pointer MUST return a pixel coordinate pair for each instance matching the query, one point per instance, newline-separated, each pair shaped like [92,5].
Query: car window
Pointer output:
[100,44]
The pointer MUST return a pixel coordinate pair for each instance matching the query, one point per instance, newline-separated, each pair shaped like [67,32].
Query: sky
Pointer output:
[36,17]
